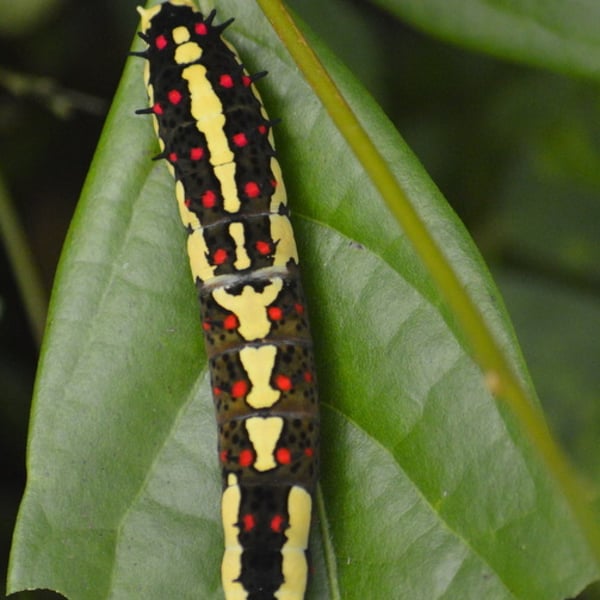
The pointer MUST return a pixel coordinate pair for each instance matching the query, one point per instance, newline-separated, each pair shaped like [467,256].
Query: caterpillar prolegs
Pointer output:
[216,138]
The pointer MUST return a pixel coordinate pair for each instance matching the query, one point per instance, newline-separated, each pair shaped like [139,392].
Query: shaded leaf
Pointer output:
[555,34]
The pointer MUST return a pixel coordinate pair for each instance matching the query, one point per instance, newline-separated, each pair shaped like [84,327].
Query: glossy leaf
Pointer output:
[429,489]
[557,34]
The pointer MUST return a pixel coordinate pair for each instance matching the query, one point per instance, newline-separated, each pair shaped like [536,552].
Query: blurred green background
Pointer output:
[515,150]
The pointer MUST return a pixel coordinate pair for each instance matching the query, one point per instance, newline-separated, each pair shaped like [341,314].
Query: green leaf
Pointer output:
[561,35]
[429,489]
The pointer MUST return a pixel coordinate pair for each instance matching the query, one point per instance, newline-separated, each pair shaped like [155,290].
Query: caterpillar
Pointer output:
[218,144]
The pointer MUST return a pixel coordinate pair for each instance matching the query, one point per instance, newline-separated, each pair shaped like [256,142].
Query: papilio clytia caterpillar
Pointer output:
[216,138]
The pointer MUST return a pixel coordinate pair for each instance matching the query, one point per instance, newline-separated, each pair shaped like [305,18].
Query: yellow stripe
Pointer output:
[205,104]
[231,566]
[161,144]
[188,218]
[279,198]
[294,563]
[197,251]
[207,111]
[242,260]
[283,236]
[225,173]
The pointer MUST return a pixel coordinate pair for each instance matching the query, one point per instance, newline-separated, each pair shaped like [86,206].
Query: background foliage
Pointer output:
[515,149]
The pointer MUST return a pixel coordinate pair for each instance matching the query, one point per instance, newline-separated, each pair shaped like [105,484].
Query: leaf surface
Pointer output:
[429,489]
[560,35]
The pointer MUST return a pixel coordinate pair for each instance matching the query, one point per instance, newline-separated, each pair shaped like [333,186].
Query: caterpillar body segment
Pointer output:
[216,138]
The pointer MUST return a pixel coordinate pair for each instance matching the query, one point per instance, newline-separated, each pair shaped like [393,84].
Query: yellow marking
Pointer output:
[258,364]
[187,53]
[225,173]
[205,103]
[236,231]
[283,236]
[197,251]
[294,565]
[256,93]
[146,16]
[188,218]
[180,34]
[279,197]
[263,110]
[230,508]
[207,110]
[250,307]
[231,568]
[147,78]
[154,118]
[213,125]
[265,116]
[299,507]
[264,433]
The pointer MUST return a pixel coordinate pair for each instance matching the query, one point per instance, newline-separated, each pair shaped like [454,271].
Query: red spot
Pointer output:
[217,391]
[239,389]
[230,322]
[263,248]
[248,522]
[187,202]
[196,153]
[283,456]
[220,256]
[209,199]
[277,523]
[308,452]
[283,383]
[206,325]
[226,80]
[299,308]
[240,140]
[246,80]
[161,42]
[157,109]
[246,458]
[262,129]
[275,313]
[201,28]
[273,183]
[174,96]
[224,456]
[308,377]
[173,157]
[252,190]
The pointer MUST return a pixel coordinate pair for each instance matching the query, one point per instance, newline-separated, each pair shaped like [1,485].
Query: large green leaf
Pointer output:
[429,489]
[562,35]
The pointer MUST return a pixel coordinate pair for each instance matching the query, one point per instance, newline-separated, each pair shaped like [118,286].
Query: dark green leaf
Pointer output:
[561,35]
[430,490]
